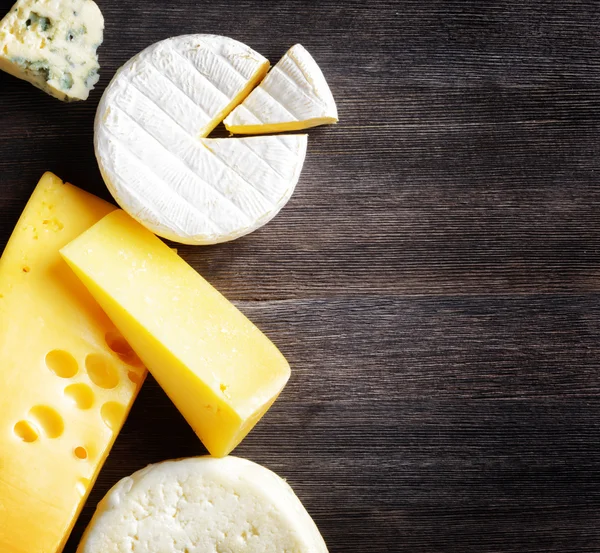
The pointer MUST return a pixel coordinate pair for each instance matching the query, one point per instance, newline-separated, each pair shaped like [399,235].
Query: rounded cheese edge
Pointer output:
[304,60]
[244,121]
[158,481]
[127,202]
[138,207]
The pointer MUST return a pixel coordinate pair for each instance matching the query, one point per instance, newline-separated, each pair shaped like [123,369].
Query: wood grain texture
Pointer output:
[434,281]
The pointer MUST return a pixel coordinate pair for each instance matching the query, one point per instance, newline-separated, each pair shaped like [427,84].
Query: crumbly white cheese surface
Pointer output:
[52,44]
[294,95]
[202,505]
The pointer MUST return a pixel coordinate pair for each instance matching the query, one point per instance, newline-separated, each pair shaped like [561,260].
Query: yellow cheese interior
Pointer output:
[236,100]
[271,128]
[67,377]
[220,371]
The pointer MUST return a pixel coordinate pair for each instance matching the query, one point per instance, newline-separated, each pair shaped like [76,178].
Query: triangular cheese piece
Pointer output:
[219,370]
[53,45]
[293,96]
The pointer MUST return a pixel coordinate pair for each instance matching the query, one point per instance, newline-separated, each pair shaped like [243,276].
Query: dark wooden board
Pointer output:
[434,281]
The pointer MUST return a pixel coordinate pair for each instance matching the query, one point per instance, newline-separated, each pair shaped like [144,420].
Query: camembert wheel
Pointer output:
[151,147]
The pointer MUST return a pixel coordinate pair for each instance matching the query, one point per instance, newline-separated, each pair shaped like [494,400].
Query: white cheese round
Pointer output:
[202,505]
[150,145]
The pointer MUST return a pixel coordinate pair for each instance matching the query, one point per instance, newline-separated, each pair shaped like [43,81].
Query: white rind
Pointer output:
[295,90]
[202,505]
[184,188]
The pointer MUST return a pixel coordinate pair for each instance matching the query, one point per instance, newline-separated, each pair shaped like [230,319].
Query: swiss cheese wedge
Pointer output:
[150,145]
[221,372]
[293,96]
[67,377]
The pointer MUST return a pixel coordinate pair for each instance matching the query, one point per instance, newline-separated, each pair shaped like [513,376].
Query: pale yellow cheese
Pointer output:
[220,371]
[67,377]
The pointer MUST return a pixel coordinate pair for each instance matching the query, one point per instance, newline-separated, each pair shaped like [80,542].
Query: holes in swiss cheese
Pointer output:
[113,414]
[43,419]
[48,420]
[101,371]
[62,363]
[26,431]
[82,486]
[81,395]
[136,378]
[117,343]
[81,453]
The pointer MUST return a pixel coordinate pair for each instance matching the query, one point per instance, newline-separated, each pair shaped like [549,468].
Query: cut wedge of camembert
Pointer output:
[293,96]
[52,44]
[202,505]
[150,145]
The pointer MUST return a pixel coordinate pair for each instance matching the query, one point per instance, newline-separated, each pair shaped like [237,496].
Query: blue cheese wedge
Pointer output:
[151,145]
[52,44]
[293,96]
[202,505]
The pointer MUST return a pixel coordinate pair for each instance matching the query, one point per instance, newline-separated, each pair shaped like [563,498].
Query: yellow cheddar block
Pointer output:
[221,372]
[67,377]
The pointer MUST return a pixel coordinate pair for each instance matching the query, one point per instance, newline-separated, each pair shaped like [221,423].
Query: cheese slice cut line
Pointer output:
[174,84]
[193,92]
[128,148]
[278,71]
[238,95]
[188,120]
[164,143]
[278,102]
[206,79]
[234,200]
[293,96]
[261,160]
[160,185]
